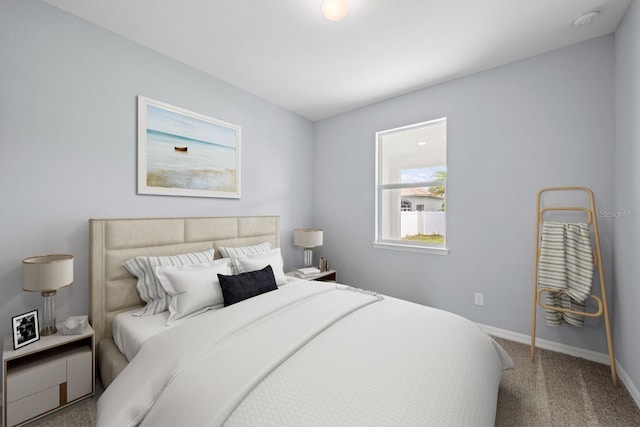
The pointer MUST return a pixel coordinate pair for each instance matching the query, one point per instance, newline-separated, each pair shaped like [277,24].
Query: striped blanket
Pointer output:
[566,263]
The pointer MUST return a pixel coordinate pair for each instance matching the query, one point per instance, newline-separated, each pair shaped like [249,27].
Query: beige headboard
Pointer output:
[113,241]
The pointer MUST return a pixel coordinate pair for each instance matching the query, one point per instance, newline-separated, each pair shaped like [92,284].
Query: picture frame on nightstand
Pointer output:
[26,329]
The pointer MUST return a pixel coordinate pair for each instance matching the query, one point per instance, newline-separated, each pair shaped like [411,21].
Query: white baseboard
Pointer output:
[633,390]
[593,356]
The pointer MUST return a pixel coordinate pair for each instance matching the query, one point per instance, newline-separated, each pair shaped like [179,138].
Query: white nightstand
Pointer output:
[324,276]
[47,375]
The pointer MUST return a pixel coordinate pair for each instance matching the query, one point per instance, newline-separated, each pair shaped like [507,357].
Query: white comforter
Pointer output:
[312,354]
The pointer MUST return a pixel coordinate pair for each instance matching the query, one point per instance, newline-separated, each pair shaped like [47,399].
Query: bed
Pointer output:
[306,353]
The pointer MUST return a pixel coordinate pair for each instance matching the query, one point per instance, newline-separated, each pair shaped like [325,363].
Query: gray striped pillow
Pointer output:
[149,286]
[230,252]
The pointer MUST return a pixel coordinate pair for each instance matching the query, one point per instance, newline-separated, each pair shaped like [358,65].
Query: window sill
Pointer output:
[412,248]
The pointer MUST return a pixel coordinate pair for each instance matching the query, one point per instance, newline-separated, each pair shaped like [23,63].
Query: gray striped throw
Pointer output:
[566,263]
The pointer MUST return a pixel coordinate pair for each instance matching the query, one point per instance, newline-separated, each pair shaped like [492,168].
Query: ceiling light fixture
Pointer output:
[586,18]
[335,10]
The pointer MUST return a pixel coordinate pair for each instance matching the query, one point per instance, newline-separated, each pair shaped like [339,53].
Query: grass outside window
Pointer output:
[425,238]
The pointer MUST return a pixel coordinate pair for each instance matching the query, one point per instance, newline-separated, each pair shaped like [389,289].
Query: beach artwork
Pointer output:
[182,153]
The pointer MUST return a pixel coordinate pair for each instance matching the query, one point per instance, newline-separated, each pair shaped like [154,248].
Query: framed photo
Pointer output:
[182,153]
[26,329]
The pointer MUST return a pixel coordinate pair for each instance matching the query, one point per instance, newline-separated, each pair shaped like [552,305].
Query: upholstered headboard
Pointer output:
[113,241]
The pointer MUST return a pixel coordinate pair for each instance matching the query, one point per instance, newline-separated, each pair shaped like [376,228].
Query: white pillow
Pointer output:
[245,263]
[230,252]
[149,287]
[194,289]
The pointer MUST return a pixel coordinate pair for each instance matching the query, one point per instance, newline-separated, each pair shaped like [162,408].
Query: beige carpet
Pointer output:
[561,390]
[558,390]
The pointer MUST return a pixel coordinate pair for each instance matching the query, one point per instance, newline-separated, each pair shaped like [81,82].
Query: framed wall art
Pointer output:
[182,153]
[26,329]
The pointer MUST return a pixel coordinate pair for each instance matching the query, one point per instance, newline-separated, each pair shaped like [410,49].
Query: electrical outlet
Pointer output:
[479,299]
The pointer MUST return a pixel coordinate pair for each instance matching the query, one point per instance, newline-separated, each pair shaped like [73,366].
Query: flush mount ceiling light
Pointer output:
[586,18]
[335,10]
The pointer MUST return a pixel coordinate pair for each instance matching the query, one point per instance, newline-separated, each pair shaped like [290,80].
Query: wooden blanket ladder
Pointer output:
[603,309]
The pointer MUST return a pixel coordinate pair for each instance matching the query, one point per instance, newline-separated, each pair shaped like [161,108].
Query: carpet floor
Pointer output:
[561,390]
[557,390]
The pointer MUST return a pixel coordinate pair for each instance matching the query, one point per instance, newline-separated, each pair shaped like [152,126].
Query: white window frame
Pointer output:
[401,245]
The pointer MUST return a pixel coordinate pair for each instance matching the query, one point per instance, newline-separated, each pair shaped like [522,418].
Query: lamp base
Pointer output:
[46,332]
[49,314]
[308,257]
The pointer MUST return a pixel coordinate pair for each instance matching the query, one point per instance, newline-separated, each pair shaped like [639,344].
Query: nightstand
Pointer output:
[324,276]
[45,376]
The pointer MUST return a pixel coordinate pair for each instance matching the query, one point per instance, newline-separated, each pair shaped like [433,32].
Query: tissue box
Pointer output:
[74,325]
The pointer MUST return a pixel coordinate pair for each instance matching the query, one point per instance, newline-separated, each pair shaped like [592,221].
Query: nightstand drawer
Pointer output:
[41,385]
[32,406]
[45,376]
[35,377]
[79,378]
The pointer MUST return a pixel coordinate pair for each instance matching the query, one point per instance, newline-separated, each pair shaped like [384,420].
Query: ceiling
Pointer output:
[286,52]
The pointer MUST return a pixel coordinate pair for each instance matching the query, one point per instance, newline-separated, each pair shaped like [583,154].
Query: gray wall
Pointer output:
[68,133]
[627,192]
[544,121]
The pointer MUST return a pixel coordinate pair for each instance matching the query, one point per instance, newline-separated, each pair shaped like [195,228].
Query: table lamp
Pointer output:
[46,274]
[307,238]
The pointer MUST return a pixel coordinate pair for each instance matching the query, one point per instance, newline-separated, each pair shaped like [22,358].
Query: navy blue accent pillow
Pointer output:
[246,285]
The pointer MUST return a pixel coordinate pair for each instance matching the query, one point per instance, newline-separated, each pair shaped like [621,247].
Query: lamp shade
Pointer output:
[307,237]
[47,273]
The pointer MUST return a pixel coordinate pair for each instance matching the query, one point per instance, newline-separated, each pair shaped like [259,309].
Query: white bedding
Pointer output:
[308,354]
[130,332]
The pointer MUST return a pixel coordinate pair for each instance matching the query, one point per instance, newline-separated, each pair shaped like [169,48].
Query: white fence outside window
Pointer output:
[412,223]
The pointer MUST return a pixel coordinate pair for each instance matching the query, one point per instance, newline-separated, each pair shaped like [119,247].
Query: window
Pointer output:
[411,172]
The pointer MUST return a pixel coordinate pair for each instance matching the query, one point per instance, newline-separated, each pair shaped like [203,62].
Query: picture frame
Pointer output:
[26,329]
[183,153]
